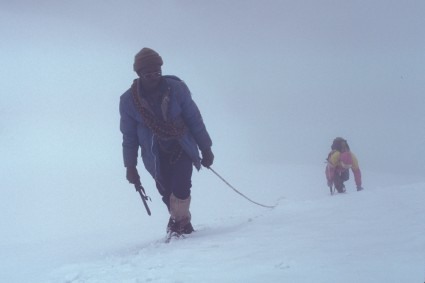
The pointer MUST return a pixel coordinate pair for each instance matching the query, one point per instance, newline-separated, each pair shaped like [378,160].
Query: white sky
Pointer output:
[306,71]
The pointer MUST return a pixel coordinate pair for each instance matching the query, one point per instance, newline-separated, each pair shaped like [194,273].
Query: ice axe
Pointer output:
[144,197]
[331,188]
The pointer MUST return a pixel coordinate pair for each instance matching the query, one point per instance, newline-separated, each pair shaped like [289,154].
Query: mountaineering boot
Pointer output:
[179,221]
[340,188]
[188,228]
[172,226]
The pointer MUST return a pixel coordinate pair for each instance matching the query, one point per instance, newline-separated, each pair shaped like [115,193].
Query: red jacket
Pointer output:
[336,164]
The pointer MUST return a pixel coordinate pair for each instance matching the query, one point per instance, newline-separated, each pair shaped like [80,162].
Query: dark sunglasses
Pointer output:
[152,75]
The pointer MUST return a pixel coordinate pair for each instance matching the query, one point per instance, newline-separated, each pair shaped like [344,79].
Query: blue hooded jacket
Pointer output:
[136,134]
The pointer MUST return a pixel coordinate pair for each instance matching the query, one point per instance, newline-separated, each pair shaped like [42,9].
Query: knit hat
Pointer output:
[146,57]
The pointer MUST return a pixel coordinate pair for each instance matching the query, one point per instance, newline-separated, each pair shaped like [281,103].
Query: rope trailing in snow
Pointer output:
[227,183]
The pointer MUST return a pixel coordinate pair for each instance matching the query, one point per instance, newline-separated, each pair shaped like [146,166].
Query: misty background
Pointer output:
[276,81]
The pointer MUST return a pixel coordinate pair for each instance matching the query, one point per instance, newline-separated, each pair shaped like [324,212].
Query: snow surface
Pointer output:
[376,235]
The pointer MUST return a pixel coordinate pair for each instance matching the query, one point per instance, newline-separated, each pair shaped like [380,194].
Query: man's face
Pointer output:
[150,77]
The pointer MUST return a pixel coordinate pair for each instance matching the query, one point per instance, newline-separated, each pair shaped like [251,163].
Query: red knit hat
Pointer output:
[146,57]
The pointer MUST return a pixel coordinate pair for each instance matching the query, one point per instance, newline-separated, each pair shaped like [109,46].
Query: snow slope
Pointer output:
[377,235]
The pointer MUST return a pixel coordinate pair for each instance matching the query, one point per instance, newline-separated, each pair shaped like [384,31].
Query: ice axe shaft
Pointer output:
[144,197]
[331,189]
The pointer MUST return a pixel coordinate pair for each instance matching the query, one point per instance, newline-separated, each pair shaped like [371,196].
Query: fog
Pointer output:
[276,81]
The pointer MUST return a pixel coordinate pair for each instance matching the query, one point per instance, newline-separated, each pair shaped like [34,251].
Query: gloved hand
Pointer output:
[133,176]
[207,157]
[359,188]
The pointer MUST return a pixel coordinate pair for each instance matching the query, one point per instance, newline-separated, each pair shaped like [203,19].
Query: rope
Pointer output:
[227,183]
[164,129]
